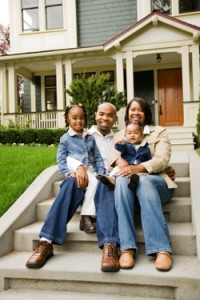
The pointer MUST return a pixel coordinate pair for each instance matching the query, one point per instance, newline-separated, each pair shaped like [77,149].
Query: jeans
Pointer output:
[65,205]
[151,192]
[106,221]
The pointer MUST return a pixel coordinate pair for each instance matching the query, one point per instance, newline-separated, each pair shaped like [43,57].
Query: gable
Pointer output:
[154,29]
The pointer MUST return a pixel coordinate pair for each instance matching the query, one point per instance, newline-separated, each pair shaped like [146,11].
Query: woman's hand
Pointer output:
[170,172]
[130,169]
[82,177]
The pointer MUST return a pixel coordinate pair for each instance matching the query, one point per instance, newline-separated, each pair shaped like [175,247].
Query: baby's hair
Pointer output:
[69,107]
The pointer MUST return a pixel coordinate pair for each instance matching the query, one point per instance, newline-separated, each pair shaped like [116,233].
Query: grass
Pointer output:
[198,151]
[19,166]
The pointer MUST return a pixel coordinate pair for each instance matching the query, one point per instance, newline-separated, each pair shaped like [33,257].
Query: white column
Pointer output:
[195,71]
[129,76]
[143,8]
[33,97]
[68,78]
[119,72]
[12,88]
[185,74]
[43,104]
[59,84]
[175,7]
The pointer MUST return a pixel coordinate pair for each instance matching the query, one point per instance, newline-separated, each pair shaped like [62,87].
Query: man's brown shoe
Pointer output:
[126,260]
[110,259]
[87,225]
[41,254]
[163,261]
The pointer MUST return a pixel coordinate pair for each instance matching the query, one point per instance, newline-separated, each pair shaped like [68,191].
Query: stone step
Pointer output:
[72,272]
[182,237]
[178,210]
[22,294]
[183,189]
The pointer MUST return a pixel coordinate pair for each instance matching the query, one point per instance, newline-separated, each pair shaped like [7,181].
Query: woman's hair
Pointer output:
[69,107]
[145,108]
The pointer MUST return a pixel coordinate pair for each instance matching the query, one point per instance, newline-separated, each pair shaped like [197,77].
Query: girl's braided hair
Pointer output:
[69,107]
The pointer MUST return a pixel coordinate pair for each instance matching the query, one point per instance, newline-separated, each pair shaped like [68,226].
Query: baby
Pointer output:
[134,150]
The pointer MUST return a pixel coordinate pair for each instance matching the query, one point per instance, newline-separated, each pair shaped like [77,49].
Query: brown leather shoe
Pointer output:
[87,225]
[126,260]
[110,259]
[41,254]
[163,261]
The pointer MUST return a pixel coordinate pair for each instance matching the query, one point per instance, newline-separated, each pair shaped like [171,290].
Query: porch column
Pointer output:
[195,71]
[33,97]
[12,90]
[185,73]
[68,78]
[129,76]
[59,84]
[43,103]
[119,72]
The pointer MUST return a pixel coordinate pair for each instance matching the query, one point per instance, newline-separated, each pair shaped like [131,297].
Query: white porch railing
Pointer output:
[47,120]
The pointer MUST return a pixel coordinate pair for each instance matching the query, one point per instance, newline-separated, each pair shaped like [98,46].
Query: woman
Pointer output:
[154,189]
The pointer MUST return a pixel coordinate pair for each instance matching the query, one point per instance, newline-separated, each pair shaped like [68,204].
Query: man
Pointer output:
[70,197]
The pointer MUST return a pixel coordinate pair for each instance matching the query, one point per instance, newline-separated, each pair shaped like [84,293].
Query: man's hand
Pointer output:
[82,177]
[170,172]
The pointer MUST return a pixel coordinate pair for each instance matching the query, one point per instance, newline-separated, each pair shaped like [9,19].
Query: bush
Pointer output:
[30,136]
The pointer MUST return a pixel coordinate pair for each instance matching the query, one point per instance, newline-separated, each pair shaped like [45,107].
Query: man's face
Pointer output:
[105,118]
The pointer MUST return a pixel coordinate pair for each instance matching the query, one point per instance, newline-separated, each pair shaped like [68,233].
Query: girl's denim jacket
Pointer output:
[83,149]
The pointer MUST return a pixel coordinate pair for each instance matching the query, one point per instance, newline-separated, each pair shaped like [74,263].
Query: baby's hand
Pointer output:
[121,141]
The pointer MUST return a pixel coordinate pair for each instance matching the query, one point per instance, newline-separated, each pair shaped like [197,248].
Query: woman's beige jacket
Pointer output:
[160,148]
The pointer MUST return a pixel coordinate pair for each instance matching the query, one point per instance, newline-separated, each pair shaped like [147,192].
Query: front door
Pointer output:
[170,98]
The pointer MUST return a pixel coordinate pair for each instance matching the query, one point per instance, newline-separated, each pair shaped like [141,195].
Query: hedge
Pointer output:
[30,136]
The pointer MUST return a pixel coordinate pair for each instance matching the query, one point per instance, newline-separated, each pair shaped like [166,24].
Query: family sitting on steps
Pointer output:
[140,172]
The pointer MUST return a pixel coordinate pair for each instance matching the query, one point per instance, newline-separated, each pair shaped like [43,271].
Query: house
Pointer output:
[149,47]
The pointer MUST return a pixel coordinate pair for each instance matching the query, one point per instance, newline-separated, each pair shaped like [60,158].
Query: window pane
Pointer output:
[163,6]
[54,16]
[30,20]
[28,3]
[188,6]
[53,2]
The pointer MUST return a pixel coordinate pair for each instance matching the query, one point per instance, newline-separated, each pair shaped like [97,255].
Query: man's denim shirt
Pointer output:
[81,148]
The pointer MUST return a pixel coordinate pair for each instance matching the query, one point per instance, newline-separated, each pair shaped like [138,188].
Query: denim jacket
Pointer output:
[81,148]
[132,155]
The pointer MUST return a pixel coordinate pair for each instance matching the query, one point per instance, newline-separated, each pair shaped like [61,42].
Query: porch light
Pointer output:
[158,58]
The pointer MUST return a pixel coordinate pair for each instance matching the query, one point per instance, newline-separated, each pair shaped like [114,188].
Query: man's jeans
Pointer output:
[65,205]
[151,192]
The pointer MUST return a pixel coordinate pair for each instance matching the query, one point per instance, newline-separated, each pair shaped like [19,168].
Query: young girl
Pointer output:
[134,150]
[77,147]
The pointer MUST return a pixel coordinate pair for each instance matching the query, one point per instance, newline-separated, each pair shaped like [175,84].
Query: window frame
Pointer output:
[23,9]
[46,14]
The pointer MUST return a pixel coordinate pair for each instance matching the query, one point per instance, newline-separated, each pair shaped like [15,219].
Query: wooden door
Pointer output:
[170,98]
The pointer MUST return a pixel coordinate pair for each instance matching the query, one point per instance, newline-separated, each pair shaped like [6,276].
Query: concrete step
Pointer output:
[72,272]
[182,237]
[183,189]
[178,210]
[22,294]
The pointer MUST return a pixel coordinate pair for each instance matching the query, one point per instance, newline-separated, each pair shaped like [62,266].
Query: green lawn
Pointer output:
[19,166]
[198,151]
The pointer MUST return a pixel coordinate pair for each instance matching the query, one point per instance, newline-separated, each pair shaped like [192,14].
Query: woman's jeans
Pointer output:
[151,192]
[65,205]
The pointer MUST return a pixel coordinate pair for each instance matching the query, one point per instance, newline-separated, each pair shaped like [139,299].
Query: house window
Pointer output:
[30,15]
[50,92]
[163,6]
[54,14]
[189,6]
